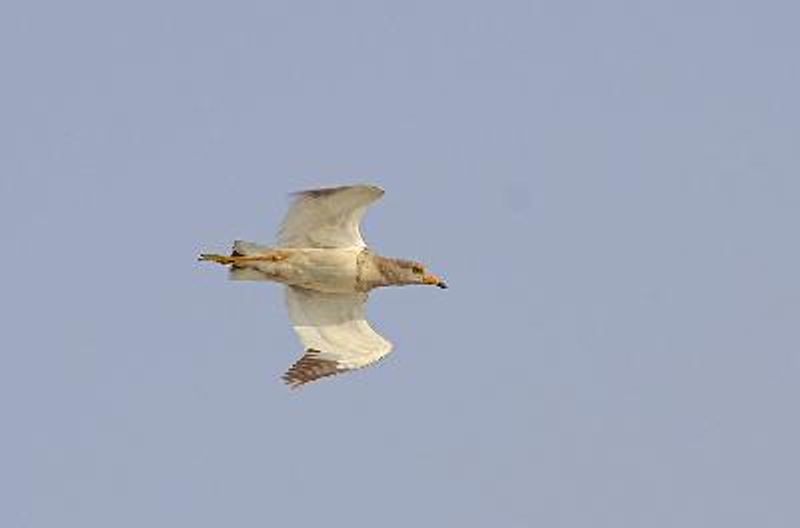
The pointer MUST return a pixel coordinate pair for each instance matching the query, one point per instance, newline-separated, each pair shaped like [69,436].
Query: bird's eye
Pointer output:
[417,269]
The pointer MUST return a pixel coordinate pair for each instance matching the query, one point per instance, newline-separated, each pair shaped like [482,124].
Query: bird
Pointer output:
[328,272]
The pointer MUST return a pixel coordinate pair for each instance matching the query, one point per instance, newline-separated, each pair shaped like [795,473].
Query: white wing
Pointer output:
[334,330]
[328,218]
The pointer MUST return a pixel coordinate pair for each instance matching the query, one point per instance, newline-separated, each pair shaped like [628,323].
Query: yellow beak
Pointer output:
[434,280]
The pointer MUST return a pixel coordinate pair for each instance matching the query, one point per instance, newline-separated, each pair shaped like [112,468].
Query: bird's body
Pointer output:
[329,271]
[334,270]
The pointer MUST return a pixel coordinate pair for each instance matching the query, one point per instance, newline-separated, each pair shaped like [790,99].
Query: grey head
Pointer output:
[400,272]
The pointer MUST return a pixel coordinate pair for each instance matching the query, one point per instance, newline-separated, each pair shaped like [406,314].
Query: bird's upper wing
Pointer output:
[334,330]
[327,218]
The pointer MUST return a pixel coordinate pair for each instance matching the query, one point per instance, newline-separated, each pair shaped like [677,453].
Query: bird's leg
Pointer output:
[272,256]
[219,259]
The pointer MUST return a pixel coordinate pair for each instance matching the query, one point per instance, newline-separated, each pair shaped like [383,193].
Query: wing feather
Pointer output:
[328,218]
[335,332]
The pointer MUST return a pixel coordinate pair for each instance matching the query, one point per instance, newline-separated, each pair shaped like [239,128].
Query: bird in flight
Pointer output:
[328,271]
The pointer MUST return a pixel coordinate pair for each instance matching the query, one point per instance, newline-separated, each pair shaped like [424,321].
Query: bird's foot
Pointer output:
[219,259]
[272,256]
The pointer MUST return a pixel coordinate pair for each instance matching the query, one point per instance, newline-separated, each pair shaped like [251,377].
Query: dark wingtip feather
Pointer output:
[310,368]
[328,191]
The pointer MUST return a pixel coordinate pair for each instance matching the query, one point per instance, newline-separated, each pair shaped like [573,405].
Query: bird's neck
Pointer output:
[375,271]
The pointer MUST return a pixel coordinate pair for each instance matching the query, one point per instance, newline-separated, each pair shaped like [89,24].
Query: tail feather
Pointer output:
[242,271]
[237,273]
[242,248]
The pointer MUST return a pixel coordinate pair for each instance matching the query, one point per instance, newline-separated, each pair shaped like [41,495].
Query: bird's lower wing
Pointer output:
[335,332]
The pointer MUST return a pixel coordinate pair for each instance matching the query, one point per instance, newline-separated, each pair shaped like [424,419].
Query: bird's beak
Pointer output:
[434,280]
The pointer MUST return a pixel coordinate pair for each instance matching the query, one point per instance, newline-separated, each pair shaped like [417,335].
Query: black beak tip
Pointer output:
[442,285]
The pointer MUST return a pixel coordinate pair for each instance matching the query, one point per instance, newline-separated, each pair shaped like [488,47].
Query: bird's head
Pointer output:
[411,272]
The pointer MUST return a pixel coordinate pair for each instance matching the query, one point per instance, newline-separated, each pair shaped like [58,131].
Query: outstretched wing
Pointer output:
[334,330]
[327,218]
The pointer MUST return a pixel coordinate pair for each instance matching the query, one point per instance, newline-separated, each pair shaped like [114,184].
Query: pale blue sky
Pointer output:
[612,190]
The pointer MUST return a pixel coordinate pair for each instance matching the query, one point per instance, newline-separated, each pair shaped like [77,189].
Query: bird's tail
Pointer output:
[239,270]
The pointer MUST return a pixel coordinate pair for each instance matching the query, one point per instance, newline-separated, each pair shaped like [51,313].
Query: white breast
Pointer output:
[326,270]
